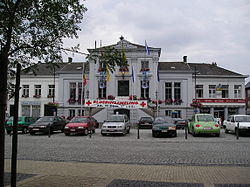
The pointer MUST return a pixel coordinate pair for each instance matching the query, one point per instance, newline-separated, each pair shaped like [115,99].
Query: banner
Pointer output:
[127,104]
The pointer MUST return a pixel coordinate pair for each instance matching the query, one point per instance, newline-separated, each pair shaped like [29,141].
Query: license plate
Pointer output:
[164,131]
[207,128]
[111,130]
[35,129]
[72,130]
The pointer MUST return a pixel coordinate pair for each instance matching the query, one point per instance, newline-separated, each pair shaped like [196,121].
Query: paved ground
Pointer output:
[127,161]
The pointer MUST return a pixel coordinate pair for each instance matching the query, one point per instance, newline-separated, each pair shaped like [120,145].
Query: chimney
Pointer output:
[185,59]
[70,59]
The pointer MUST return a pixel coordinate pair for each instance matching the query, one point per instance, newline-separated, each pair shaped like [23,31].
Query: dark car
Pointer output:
[180,123]
[145,122]
[164,126]
[80,125]
[47,124]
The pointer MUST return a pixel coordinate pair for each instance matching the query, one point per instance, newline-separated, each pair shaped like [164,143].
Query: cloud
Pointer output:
[205,31]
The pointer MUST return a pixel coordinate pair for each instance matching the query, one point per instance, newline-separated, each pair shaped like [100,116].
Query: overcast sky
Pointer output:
[204,30]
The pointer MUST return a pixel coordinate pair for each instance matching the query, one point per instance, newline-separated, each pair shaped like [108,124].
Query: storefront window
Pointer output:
[25,110]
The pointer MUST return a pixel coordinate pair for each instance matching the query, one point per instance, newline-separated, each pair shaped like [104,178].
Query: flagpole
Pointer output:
[82,89]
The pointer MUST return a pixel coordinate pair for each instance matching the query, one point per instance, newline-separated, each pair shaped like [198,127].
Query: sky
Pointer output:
[205,31]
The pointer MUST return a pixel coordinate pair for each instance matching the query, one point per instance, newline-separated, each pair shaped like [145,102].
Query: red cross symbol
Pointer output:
[143,104]
[88,103]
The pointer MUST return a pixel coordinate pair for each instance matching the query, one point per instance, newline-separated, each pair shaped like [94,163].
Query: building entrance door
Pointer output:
[219,113]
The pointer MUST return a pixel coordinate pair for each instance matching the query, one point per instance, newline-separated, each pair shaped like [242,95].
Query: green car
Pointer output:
[203,124]
[22,125]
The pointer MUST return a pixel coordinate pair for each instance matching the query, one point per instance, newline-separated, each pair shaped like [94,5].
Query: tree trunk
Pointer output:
[3,106]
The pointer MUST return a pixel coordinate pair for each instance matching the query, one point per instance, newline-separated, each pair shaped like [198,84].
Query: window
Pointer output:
[102,89]
[248,93]
[224,91]
[80,112]
[72,90]
[35,110]
[145,89]
[72,113]
[177,90]
[25,91]
[38,90]
[168,90]
[123,88]
[51,90]
[212,91]
[199,91]
[25,110]
[173,113]
[237,91]
[80,92]
[144,65]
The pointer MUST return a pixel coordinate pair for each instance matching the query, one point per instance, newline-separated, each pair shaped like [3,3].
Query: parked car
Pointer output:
[164,126]
[180,123]
[80,125]
[232,124]
[46,124]
[116,124]
[203,124]
[22,124]
[145,122]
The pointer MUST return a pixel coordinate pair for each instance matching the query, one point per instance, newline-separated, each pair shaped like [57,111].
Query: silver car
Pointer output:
[116,124]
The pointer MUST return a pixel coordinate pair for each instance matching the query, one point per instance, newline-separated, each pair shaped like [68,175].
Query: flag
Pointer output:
[84,78]
[133,76]
[107,74]
[147,49]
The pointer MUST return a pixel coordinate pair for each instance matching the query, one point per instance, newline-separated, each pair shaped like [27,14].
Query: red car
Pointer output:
[80,125]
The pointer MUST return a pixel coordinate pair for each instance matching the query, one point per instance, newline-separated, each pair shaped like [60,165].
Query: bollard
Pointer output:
[237,131]
[49,130]
[138,131]
[186,131]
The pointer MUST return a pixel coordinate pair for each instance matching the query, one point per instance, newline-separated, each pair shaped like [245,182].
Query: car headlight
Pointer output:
[80,127]
[43,126]
[104,126]
[156,128]
[66,127]
[120,126]
[172,128]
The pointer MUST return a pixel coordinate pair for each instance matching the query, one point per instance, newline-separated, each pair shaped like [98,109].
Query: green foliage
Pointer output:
[34,30]
[109,57]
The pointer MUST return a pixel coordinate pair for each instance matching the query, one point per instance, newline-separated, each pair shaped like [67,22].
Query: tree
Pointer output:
[32,30]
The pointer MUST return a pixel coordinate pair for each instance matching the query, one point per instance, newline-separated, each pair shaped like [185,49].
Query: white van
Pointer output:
[232,124]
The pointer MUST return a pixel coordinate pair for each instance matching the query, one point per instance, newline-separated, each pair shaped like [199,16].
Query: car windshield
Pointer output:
[116,118]
[161,120]
[79,120]
[205,118]
[46,119]
[242,118]
[146,119]
[12,118]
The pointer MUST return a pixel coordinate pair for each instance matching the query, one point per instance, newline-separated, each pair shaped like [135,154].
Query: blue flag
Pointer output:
[147,49]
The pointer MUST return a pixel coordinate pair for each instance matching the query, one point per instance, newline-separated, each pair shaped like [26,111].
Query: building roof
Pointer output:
[174,66]
[75,67]
[248,85]
[211,69]
[43,69]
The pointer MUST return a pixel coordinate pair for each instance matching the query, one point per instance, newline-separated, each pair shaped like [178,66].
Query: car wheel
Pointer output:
[24,131]
[174,134]
[226,131]
[86,132]
[194,134]
[8,131]
[67,134]
[103,134]
[217,135]
[93,131]
[153,134]
[32,133]
[128,131]
[189,131]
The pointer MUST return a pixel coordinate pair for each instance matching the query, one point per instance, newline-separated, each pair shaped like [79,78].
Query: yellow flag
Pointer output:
[107,74]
